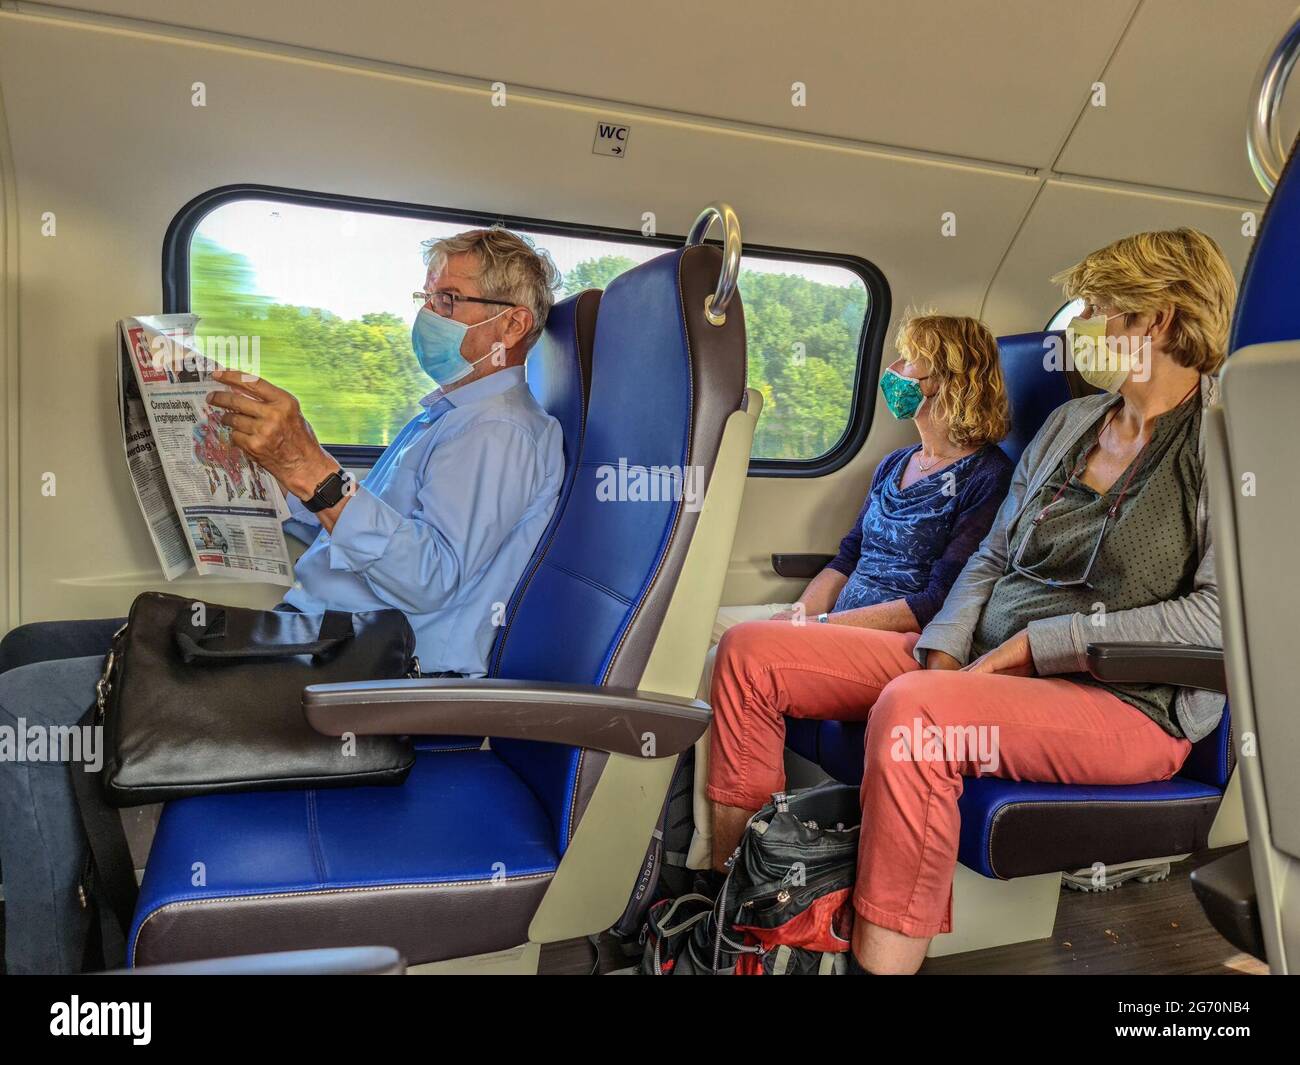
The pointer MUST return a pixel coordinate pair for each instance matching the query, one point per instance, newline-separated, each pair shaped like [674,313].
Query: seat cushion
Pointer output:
[451,863]
[1015,828]
[1018,828]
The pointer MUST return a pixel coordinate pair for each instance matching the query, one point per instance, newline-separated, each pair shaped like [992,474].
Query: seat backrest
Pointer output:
[1036,385]
[559,377]
[664,385]
[1256,512]
[1268,303]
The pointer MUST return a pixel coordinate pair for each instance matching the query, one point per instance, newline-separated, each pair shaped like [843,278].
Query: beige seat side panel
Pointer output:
[597,872]
[1256,515]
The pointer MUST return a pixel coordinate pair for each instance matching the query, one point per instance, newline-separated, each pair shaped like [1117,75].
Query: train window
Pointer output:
[321,287]
[1062,317]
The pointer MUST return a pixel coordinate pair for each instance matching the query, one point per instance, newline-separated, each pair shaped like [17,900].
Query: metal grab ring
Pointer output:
[1264,145]
[715,306]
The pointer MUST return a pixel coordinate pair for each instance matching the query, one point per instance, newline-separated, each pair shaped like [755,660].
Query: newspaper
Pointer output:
[207,504]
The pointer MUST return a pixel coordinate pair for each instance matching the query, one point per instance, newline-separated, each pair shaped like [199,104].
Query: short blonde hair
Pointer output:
[963,357]
[511,268]
[1178,268]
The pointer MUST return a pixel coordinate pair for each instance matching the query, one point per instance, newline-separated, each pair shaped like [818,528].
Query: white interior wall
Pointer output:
[914,110]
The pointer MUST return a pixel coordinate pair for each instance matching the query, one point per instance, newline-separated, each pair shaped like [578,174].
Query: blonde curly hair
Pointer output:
[961,355]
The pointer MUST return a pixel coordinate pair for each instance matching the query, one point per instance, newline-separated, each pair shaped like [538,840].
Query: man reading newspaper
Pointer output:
[441,528]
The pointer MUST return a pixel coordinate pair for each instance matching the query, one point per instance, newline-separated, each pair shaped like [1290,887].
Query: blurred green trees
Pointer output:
[359,383]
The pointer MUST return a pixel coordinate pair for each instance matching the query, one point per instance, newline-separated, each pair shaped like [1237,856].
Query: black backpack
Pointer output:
[785,906]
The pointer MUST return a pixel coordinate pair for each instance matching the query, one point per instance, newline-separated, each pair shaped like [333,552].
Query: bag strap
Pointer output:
[660,924]
[219,640]
[111,887]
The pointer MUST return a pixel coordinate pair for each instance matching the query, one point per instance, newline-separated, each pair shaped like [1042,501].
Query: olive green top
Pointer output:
[1148,553]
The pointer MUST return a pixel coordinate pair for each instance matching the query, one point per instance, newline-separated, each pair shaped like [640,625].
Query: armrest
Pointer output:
[1159,663]
[803,566]
[616,720]
[1225,888]
[331,961]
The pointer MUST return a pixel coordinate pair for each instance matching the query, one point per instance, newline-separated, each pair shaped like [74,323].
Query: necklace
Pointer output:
[924,467]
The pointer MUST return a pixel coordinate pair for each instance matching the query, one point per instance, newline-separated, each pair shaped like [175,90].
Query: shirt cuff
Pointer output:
[298,510]
[946,638]
[1053,647]
[839,565]
[922,606]
[363,531]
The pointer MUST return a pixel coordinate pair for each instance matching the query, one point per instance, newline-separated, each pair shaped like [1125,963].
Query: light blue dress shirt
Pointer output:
[444,524]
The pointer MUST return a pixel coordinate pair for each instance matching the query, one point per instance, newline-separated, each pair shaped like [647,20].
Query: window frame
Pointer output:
[176,295]
[1049,328]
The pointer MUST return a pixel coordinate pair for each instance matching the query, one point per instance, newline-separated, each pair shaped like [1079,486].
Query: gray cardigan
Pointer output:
[1059,644]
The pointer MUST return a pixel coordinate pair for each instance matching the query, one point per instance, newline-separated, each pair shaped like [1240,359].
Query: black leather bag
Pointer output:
[198,698]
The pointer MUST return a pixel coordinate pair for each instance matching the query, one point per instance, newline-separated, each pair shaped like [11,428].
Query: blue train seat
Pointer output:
[484,854]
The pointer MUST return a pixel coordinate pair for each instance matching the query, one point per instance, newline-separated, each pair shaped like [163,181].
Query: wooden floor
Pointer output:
[1134,929]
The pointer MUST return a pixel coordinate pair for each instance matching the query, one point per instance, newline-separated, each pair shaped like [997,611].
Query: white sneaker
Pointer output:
[1108,877]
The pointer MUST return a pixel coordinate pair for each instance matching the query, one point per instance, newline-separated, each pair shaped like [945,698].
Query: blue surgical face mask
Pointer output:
[437,342]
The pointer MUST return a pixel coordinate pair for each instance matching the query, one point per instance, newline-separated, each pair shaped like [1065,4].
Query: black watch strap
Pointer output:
[328,492]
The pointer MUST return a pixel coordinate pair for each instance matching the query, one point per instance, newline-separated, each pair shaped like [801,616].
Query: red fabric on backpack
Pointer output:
[824,926]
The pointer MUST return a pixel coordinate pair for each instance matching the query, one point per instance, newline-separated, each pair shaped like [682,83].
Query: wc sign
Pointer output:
[610,139]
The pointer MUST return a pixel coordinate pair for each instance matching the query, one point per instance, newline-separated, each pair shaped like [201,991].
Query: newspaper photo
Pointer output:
[207,504]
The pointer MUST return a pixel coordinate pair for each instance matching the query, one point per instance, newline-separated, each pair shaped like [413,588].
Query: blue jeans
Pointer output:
[47,679]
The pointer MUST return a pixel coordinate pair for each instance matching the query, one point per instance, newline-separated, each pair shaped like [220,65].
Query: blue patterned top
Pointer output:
[910,543]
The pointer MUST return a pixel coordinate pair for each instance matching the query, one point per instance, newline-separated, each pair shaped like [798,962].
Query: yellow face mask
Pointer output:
[1097,363]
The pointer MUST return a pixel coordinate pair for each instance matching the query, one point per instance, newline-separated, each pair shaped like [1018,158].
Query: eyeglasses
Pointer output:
[1085,581]
[444,303]
[1139,461]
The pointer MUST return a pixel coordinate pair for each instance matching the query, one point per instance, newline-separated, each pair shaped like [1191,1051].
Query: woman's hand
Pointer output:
[1012,658]
[941,660]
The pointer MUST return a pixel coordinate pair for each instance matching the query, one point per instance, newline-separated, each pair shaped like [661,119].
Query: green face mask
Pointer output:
[903,395]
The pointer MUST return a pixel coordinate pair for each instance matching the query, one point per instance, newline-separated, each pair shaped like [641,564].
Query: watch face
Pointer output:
[328,493]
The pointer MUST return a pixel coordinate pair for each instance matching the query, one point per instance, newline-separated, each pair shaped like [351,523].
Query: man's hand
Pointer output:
[786,615]
[267,423]
[1012,658]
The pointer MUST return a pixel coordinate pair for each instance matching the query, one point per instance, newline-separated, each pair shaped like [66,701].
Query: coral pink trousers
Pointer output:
[926,730]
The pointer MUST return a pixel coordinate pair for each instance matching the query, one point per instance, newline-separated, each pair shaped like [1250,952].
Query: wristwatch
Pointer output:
[822,618]
[328,492]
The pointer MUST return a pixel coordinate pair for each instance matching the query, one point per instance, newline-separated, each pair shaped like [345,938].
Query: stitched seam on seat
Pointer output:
[449,750]
[570,827]
[313,837]
[326,891]
[518,599]
[997,816]
[588,580]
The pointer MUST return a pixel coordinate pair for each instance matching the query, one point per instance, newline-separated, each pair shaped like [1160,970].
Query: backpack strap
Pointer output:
[109,885]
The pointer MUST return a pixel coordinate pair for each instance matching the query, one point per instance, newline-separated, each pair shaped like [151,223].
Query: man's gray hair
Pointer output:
[511,268]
